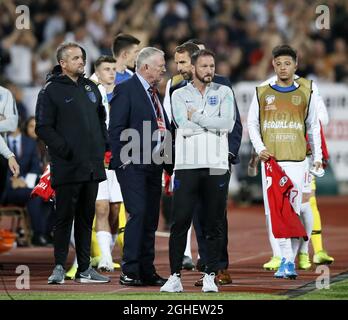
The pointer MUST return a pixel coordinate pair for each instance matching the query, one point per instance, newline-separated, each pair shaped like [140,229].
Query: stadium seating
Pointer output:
[19,215]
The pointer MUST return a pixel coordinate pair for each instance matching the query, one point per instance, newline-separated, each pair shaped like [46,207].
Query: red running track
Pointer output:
[248,248]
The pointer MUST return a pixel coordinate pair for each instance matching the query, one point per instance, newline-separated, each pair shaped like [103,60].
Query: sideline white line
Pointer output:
[119,290]
[259,255]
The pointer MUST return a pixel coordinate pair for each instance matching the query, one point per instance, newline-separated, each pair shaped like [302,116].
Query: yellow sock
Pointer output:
[122,220]
[95,250]
[316,238]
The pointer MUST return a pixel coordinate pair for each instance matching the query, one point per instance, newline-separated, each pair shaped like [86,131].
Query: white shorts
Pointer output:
[295,171]
[109,189]
[308,177]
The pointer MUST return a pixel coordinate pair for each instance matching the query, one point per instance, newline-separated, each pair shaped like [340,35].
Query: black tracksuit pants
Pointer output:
[190,187]
[74,201]
[202,249]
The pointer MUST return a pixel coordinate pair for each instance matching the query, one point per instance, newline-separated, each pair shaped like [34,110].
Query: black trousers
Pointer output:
[202,248]
[190,187]
[74,201]
[141,192]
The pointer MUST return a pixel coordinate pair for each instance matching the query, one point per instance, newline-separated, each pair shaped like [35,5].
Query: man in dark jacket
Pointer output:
[70,119]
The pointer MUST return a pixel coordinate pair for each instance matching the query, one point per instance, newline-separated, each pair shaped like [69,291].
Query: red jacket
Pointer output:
[285,222]
[44,189]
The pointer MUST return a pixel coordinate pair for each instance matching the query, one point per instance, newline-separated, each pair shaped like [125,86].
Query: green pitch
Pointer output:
[139,296]
[337,291]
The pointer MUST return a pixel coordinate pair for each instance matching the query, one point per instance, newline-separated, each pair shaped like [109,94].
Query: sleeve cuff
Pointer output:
[259,150]
[196,116]
[8,156]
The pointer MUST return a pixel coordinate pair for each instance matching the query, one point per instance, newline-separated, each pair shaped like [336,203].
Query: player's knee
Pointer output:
[102,210]
[116,208]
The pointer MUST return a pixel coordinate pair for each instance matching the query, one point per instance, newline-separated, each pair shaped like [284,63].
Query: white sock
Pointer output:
[295,244]
[188,243]
[307,220]
[113,241]
[104,241]
[273,241]
[286,249]
[72,236]
[75,262]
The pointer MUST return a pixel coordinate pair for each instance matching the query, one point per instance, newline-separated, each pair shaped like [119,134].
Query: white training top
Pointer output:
[4,150]
[202,142]
[166,101]
[8,112]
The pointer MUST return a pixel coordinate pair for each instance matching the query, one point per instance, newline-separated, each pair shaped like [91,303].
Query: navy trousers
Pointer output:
[141,192]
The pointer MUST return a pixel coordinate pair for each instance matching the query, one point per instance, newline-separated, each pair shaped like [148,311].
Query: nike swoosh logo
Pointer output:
[86,277]
[221,185]
[68,100]
[189,101]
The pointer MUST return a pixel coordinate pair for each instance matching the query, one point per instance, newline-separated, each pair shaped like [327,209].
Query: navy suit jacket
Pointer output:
[28,160]
[131,108]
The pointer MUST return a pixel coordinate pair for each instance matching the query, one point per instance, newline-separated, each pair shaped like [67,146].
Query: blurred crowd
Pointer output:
[241,32]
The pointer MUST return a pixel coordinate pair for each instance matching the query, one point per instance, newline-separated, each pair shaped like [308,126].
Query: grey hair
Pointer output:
[63,47]
[145,55]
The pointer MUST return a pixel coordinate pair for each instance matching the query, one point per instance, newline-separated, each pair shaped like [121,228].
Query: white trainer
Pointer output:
[173,284]
[106,265]
[209,284]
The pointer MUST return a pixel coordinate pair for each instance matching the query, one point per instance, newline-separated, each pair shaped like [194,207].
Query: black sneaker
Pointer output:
[91,276]
[39,240]
[187,263]
[57,276]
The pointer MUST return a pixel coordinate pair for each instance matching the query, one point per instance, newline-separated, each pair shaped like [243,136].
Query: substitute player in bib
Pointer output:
[279,117]
[309,209]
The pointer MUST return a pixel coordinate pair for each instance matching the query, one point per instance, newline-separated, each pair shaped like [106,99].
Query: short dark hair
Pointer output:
[188,47]
[123,41]
[67,45]
[201,53]
[284,50]
[195,41]
[102,59]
